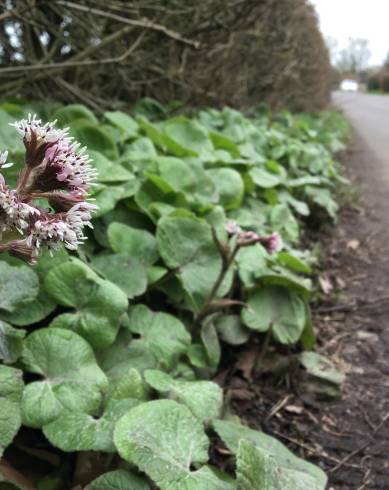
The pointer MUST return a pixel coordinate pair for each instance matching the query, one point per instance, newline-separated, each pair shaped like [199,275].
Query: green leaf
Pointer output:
[18,286]
[283,221]
[130,275]
[278,309]
[186,137]
[149,107]
[11,387]
[321,367]
[280,276]
[290,260]
[163,438]
[98,304]
[107,170]
[107,197]
[259,469]
[140,245]
[142,149]
[118,480]
[71,378]
[123,364]
[31,312]
[94,138]
[229,185]
[78,431]
[234,434]
[264,179]
[211,342]
[124,122]
[8,136]
[11,343]
[231,330]
[252,263]
[222,142]
[163,335]
[68,114]
[177,173]
[323,197]
[186,244]
[203,398]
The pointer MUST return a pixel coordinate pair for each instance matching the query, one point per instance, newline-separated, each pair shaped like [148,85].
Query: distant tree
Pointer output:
[354,58]
[333,49]
[385,64]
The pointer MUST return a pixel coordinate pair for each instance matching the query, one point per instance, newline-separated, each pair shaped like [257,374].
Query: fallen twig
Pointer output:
[361,448]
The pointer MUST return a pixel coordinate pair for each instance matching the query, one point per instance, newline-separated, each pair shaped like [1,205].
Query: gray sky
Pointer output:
[369,19]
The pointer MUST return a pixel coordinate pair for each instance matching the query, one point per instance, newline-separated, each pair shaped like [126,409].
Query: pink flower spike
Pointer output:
[232,228]
[273,243]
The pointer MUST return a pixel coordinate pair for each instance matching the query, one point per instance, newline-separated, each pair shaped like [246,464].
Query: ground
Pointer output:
[348,436]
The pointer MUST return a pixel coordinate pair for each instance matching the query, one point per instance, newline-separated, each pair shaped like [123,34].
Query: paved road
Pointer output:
[369,116]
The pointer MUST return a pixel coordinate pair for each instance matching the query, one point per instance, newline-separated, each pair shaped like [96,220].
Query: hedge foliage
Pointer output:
[217,52]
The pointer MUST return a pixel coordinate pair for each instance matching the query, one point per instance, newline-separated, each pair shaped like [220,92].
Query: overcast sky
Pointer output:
[369,19]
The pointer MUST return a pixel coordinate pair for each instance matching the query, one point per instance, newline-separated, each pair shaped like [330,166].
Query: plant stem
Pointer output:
[23,179]
[226,264]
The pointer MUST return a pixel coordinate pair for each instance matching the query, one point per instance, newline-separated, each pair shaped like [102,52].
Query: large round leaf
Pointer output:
[163,438]
[94,138]
[78,431]
[204,398]
[140,245]
[11,387]
[68,114]
[259,469]
[278,309]
[124,122]
[130,275]
[186,244]
[31,312]
[98,304]
[232,434]
[11,342]
[161,334]
[118,480]
[229,185]
[72,380]
[107,170]
[18,286]
[185,137]
[177,173]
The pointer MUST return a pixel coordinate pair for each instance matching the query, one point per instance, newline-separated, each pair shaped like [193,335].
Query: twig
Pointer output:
[145,23]
[277,407]
[360,305]
[311,450]
[366,480]
[361,448]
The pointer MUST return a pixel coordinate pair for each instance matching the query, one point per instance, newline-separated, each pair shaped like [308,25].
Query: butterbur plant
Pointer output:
[110,357]
[57,170]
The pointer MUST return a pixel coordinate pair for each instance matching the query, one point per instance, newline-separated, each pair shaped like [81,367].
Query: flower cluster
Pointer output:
[58,170]
[272,243]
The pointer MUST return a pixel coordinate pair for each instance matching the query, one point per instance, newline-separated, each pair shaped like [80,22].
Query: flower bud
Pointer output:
[20,250]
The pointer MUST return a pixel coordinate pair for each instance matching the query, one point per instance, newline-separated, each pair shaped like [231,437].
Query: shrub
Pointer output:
[213,51]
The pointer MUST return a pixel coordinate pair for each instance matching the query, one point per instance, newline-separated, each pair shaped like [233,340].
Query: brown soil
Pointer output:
[348,437]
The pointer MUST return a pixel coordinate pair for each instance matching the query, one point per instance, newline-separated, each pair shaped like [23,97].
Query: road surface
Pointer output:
[369,116]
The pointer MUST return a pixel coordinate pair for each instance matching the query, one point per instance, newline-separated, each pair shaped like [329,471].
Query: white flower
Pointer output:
[52,232]
[55,230]
[72,166]
[3,160]
[13,212]
[32,129]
